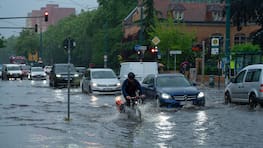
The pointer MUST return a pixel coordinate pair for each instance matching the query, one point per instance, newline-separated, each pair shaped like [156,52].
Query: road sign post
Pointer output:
[175,52]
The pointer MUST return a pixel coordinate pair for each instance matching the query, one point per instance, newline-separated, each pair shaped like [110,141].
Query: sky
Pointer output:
[20,8]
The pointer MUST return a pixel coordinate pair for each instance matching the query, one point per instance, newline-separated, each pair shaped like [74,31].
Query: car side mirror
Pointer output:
[233,80]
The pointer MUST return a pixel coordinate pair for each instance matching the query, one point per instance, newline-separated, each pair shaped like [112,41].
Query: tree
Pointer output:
[246,11]
[27,42]
[173,36]
[2,41]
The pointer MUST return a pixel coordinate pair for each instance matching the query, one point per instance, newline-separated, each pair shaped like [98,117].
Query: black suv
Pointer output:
[59,75]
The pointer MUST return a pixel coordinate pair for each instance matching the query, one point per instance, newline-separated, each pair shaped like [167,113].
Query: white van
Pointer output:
[11,71]
[140,69]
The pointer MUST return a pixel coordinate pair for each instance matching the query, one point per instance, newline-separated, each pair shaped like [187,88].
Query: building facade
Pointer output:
[203,17]
[55,13]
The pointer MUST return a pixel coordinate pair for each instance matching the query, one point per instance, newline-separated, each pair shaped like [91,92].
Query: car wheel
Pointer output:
[158,102]
[82,89]
[252,101]
[90,90]
[227,98]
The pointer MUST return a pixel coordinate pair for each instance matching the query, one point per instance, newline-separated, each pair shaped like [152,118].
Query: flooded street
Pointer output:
[32,116]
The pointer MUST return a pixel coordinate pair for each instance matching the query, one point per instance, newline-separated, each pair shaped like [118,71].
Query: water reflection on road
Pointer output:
[32,115]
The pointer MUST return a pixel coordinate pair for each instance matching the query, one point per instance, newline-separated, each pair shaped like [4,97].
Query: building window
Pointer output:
[217,16]
[240,38]
[178,15]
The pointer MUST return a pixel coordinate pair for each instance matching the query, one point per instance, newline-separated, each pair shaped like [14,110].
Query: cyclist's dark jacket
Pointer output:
[130,88]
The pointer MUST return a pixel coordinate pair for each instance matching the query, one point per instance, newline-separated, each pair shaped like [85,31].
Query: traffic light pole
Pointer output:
[227,44]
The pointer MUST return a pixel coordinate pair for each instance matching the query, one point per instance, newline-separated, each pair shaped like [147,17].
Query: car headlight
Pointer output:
[200,95]
[58,75]
[76,75]
[165,96]
[118,84]
[94,84]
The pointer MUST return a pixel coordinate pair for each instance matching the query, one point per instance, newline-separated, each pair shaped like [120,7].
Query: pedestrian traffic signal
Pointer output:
[35,27]
[46,16]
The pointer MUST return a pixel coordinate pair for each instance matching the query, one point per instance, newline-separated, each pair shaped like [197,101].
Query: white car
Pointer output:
[100,81]
[37,73]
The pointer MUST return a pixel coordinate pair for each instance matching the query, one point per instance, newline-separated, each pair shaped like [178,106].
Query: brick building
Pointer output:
[54,15]
[205,18]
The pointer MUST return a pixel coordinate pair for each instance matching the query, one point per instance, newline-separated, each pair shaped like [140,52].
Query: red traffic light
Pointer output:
[154,50]
[46,16]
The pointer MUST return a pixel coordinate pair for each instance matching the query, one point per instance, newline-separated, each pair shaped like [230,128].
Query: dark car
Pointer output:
[171,90]
[59,75]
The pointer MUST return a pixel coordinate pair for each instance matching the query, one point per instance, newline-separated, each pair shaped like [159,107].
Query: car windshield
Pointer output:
[13,68]
[64,68]
[103,74]
[36,69]
[172,81]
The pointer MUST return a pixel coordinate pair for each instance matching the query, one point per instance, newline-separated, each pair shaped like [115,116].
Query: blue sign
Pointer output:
[137,47]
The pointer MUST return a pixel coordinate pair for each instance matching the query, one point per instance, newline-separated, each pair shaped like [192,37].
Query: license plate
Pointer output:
[185,102]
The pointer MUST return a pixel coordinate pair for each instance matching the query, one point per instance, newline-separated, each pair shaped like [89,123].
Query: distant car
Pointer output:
[246,87]
[171,90]
[47,69]
[25,70]
[59,75]
[1,71]
[81,70]
[37,73]
[100,81]
[11,71]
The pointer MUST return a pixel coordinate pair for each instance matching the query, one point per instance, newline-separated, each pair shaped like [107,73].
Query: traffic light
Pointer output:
[154,49]
[46,16]
[35,27]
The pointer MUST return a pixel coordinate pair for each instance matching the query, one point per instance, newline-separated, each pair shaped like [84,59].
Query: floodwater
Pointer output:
[33,116]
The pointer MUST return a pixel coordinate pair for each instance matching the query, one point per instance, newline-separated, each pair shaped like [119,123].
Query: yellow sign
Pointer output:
[156,40]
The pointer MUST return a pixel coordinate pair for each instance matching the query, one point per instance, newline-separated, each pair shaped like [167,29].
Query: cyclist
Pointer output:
[130,87]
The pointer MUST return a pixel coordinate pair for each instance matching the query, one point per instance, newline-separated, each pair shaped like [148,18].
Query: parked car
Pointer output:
[37,73]
[100,81]
[59,75]
[246,87]
[11,71]
[171,90]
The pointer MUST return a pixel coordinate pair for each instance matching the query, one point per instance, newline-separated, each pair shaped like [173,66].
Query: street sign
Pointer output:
[214,51]
[215,42]
[156,40]
[176,52]
[139,47]
[215,45]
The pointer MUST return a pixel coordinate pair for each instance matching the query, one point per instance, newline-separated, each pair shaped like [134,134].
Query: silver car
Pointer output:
[100,81]
[246,87]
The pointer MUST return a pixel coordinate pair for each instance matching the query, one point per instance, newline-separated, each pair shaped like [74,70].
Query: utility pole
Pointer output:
[227,44]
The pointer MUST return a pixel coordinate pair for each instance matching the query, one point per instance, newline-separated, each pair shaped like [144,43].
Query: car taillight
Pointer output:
[261,88]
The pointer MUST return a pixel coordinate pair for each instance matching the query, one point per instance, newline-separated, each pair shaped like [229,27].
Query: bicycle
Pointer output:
[133,111]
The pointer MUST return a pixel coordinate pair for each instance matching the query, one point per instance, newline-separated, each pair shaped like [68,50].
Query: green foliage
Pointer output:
[27,42]
[247,47]
[245,11]
[2,41]
[95,32]
[173,37]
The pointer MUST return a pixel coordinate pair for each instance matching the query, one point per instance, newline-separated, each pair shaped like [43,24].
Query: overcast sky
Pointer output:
[20,8]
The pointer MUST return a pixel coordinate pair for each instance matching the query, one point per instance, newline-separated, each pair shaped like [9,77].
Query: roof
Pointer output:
[194,11]
[100,69]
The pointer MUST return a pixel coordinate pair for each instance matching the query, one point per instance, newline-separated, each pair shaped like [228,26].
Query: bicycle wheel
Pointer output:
[138,114]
